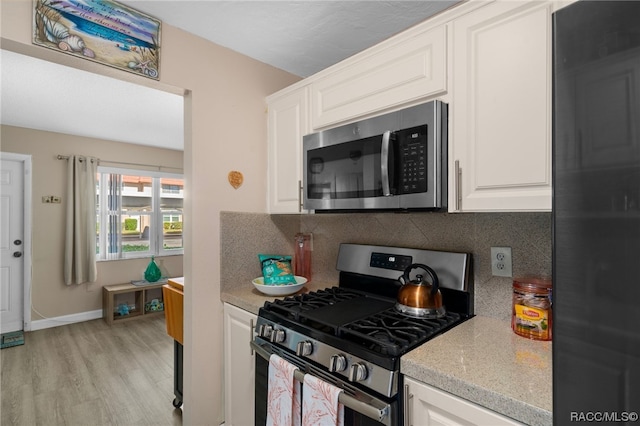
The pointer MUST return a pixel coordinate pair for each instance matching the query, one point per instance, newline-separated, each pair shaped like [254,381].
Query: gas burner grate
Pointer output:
[359,320]
[293,307]
[391,333]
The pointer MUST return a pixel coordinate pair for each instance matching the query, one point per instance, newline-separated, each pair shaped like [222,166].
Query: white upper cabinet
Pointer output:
[288,122]
[500,110]
[406,69]
[490,61]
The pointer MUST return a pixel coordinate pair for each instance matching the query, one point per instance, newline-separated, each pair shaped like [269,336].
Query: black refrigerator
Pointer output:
[596,213]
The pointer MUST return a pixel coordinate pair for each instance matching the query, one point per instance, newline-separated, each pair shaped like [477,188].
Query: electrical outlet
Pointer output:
[501,262]
[46,199]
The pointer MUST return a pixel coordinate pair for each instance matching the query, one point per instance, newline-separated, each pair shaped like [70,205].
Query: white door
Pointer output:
[11,245]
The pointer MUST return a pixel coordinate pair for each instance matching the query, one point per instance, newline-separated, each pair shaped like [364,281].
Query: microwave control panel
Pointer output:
[412,144]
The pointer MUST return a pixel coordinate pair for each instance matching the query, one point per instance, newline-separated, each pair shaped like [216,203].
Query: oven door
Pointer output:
[360,408]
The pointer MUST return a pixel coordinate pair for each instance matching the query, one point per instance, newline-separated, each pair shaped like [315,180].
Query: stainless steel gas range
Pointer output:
[352,336]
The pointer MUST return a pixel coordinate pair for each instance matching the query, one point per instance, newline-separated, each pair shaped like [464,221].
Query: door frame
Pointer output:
[27,255]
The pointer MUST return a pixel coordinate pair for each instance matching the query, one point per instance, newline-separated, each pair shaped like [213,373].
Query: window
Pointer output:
[139,213]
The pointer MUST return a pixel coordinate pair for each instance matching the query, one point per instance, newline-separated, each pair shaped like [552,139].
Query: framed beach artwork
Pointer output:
[102,31]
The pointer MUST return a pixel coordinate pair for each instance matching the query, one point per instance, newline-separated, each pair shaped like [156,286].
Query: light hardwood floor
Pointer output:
[91,374]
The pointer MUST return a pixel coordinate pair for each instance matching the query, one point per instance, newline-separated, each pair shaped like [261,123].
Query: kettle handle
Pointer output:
[434,277]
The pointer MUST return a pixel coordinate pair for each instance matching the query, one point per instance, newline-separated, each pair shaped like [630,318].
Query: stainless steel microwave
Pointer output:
[395,161]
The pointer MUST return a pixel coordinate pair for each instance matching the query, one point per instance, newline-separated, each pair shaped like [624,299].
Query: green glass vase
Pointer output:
[152,273]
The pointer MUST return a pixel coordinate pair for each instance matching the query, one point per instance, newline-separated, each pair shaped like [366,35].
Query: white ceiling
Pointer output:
[301,37]
[42,95]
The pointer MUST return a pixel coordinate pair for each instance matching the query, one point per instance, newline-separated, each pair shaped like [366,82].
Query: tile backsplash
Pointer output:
[245,235]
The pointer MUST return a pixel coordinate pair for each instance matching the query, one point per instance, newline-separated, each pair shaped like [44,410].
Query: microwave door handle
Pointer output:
[384,164]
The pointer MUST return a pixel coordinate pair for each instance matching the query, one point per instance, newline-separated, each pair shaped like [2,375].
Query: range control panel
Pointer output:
[390,261]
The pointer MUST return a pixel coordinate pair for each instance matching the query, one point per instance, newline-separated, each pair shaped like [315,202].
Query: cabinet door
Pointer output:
[428,406]
[406,71]
[501,108]
[288,123]
[239,366]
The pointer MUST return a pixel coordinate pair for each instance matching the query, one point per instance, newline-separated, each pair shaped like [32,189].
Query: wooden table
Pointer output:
[173,294]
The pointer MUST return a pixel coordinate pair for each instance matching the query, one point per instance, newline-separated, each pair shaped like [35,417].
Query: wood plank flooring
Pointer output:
[89,374]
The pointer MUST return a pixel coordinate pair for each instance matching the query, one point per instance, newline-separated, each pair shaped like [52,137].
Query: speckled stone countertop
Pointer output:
[485,362]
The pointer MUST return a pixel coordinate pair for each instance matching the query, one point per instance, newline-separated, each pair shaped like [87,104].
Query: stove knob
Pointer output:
[304,348]
[358,372]
[277,336]
[265,331]
[337,363]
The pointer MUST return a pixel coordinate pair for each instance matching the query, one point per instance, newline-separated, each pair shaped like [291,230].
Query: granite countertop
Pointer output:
[481,360]
[485,362]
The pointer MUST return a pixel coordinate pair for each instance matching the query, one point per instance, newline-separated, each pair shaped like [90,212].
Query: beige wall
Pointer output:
[50,297]
[225,130]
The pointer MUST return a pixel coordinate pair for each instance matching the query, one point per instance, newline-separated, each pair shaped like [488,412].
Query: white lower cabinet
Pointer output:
[239,366]
[428,406]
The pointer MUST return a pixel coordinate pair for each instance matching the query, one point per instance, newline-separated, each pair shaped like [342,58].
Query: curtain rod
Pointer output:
[66,157]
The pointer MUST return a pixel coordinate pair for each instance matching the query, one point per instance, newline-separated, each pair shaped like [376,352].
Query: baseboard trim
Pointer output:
[65,320]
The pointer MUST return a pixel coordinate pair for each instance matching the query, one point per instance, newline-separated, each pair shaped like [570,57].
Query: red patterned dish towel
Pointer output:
[283,399]
[320,406]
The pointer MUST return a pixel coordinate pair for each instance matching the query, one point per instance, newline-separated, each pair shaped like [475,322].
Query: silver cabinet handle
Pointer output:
[457,183]
[300,197]
[408,399]
[384,164]
[251,335]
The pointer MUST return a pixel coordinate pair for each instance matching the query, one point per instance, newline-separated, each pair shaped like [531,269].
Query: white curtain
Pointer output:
[80,235]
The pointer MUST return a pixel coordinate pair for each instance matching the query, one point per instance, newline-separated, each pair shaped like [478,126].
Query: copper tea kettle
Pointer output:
[418,298]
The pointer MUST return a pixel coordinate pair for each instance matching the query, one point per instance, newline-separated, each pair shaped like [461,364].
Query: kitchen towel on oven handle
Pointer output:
[283,400]
[373,408]
[320,403]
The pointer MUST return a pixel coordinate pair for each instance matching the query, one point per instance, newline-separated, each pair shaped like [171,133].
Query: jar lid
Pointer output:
[542,283]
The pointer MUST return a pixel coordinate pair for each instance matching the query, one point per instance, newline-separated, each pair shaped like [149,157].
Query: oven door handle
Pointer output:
[379,412]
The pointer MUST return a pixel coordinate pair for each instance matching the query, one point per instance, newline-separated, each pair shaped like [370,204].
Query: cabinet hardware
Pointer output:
[251,334]
[458,189]
[300,195]
[408,400]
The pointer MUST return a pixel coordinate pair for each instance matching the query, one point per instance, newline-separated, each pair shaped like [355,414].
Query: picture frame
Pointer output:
[103,31]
